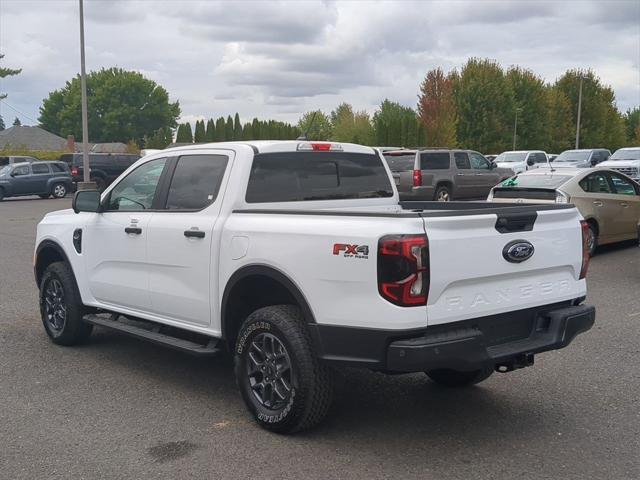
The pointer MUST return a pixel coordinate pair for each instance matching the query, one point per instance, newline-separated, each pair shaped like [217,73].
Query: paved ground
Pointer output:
[121,408]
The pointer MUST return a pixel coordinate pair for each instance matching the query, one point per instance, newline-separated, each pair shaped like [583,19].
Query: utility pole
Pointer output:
[86,184]
[579,111]
[515,129]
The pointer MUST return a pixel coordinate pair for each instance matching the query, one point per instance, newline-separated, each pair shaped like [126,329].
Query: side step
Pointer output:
[153,334]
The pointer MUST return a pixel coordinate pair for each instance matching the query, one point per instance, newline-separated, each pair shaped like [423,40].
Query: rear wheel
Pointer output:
[443,194]
[61,308]
[59,190]
[457,378]
[592,239]
[285,387]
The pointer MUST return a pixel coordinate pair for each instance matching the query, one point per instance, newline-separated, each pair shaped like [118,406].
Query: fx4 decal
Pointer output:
[351,251]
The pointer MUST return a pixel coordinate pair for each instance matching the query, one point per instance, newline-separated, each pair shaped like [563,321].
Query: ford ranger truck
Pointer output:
[298,259]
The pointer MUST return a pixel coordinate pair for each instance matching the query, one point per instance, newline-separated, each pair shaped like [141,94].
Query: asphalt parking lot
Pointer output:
[121,408]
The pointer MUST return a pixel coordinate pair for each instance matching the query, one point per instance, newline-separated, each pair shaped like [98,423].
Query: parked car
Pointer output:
[443,174]
[297,257]
[36,178]
[552,156]
[608,200]
[625,160]
[521,160]
[11,159]
[105,167]
[583,158]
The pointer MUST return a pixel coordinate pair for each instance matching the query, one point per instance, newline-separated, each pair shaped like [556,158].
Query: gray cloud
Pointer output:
[277,59]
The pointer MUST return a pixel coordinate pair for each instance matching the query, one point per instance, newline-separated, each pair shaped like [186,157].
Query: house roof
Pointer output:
[32,138]
[114,147]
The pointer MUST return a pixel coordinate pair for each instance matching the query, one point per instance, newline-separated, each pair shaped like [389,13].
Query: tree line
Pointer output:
[474,107]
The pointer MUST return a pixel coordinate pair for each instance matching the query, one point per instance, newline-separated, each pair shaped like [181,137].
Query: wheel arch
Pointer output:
[268,286]
[48,252]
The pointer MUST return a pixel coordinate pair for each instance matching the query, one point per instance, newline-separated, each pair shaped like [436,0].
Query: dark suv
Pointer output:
[105,167]
[442,174]
[36,178]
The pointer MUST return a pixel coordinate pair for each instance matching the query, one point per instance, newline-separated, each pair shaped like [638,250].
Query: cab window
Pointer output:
[137,190]
[39,168]
[196,181]
[478,161]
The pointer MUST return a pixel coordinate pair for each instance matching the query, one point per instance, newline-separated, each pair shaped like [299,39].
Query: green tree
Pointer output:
[529,93]
[7,72]
[632,126]
[558,123]
[220,128]
[228,129]
[157,140]
[200,134]
[396,125]
[123,105]
[17,122]
[1,123]
[316,125]
[437,108]
[211,131]
[485,106]
[601,124]
[247,131]
[237,128]
[168,136]
[184,134]
[348,126]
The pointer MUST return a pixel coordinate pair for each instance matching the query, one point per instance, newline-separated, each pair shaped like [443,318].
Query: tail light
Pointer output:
[417,178]
[585,248]
[403,269]
[74,171]
[319,147]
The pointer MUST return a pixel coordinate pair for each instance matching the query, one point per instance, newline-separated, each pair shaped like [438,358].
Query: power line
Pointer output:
[18,111]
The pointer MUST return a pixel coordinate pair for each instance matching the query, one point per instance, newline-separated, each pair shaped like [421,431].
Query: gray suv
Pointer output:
[37,178]
[443,175]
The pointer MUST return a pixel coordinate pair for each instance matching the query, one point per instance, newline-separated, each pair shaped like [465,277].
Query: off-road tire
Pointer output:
[72,330]
[457,378]
[59,190]
[312,382]
[442,194]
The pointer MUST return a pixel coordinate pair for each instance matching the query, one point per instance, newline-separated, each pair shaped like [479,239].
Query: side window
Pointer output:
[21,171]
[478,161]
[435,161]
[39,168]
[58,167]
[137,190]
[462,160]
[622,186]
[539,157]
[595,183]
[196,181]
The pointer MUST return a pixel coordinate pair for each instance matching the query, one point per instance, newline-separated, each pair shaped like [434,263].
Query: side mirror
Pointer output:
[492,165]
[530,162]
[86,201]
[594,162]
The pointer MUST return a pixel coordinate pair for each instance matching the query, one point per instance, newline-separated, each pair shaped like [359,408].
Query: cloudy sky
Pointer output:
[278,59]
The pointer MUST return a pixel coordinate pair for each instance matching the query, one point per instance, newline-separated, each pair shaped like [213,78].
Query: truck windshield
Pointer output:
[626,154]
[511,157]
[573,156]
[300,176]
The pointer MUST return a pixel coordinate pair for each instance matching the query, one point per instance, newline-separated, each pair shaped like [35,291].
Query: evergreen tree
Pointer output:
[17,122]
[211,131]
[247,132]
[255,127]
[184,134]
[7,72]
[395,125]
[228,129]
[168,136]
[200,134]
[220,129]
[237,128]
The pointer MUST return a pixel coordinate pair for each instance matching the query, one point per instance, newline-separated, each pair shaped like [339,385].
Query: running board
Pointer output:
[154,335]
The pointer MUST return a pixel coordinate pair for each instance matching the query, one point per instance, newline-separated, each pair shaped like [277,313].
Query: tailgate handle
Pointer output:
[516,222]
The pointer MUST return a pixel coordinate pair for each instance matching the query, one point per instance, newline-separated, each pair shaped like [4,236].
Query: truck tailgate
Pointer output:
[470,276]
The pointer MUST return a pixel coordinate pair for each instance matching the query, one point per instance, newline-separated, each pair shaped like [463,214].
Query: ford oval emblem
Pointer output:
[518,251]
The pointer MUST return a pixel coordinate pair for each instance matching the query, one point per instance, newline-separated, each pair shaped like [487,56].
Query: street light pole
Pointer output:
[579,111]
[515,129]
[85,123]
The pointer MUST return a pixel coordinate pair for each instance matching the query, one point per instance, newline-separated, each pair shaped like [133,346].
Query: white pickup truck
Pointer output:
[298,258]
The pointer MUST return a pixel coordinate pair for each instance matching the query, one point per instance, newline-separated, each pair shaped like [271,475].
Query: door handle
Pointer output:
[460,174]
[134,230]
[624,204]
[479,174]
[597,203]
[194,233]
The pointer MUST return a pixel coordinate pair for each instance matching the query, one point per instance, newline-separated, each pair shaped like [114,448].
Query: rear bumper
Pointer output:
[508,340]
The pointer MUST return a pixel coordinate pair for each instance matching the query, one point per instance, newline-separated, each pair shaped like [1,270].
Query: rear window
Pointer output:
[401,163]
[434,161]
[536,181]
[299,176]
[58,167]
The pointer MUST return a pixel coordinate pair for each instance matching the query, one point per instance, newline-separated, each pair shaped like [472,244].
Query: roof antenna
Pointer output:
[303,137]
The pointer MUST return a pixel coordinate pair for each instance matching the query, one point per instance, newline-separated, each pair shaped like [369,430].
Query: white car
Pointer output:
[521,160]
[625,160]
[298,257]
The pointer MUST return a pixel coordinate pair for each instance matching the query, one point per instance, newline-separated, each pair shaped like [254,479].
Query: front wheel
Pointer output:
[59,190]
[61,308]
[458,378]
[284,386]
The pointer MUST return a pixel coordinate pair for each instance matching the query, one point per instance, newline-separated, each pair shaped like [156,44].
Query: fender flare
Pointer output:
[58,248]
[272,273]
